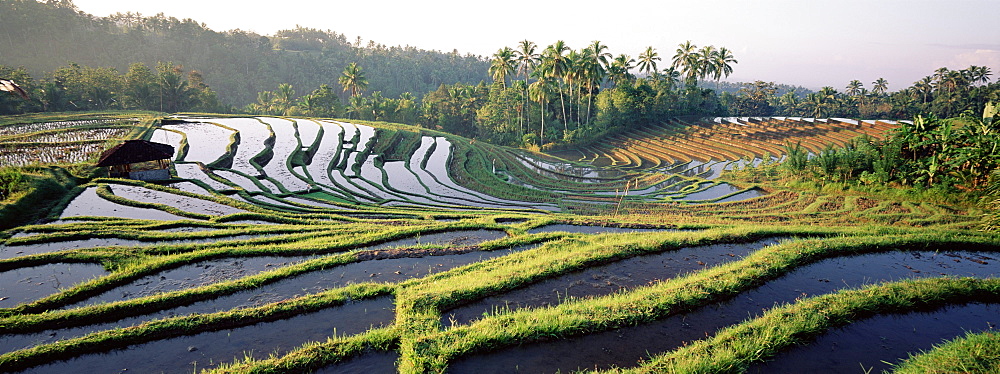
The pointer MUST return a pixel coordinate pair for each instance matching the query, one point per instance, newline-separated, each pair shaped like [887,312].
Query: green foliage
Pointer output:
[235,63]
[11,181]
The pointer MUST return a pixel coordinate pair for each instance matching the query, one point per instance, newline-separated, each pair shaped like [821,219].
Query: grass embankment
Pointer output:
[973,353]
[426,346]
[429,350]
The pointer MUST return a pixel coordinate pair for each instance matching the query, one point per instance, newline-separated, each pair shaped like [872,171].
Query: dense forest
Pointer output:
[47,36]
[528,95]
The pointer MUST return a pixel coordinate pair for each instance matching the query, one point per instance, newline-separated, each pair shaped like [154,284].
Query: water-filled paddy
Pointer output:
[874,343]
[606,279]
[88,203]
[208,349]
[193,275]
[625,347]
[24,285]
[390,270]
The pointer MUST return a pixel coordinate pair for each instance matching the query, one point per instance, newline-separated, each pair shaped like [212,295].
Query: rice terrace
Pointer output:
[540,210]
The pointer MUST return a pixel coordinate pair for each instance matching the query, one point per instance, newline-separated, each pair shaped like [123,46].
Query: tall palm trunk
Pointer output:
[563,103]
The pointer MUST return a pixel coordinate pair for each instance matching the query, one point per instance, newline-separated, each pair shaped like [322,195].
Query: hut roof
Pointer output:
[133,151]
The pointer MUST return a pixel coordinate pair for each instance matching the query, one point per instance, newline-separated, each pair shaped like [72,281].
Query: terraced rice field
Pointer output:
[698,145]
[63,142]
[297,245]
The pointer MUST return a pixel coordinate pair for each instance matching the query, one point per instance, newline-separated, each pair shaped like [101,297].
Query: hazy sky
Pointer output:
[812,43]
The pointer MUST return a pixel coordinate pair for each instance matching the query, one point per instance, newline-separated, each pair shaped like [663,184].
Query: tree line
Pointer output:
[237,64]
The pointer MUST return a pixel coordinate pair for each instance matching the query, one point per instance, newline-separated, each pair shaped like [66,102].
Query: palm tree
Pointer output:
[595,67]
[672,75]
[502,65]
[686,59]
[854,87]
[599,52]
[618,71]
[723,58]
[924,87]
[353,79]
[706,62]
[526,60]
[556,65]
[540,91]
[981,74]
[647,61]
[879,86]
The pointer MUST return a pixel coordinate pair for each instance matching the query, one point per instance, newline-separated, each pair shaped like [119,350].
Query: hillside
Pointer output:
[292,245]
[45,36]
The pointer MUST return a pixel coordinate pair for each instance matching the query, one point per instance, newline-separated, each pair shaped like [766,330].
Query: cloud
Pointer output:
[979,57]
[991,47]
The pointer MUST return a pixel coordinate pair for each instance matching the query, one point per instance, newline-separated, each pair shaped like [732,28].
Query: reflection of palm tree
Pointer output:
[10,86]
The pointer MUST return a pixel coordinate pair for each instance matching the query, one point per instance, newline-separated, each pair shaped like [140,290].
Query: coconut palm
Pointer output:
[723,64]
[526,60]
[924,87]
[353,79]
[686,59]
[599,52]
[854,87]
[555,64]
[647,61]
[618,71]
[502,65]
[879,86]
[706,62]
[980,74]
[540,91]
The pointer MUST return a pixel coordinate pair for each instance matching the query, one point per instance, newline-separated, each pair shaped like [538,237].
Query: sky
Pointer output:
[812,43]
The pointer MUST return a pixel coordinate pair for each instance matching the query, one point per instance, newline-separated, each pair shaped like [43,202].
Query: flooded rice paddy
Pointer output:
[625,347]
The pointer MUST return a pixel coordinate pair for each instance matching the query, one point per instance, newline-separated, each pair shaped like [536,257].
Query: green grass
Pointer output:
[825,223]
[972,353]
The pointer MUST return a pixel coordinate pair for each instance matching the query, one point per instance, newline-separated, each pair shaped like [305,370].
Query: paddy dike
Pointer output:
[625,347]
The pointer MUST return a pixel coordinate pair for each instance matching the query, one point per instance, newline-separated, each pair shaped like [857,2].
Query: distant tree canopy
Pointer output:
[540,96]
[45,36]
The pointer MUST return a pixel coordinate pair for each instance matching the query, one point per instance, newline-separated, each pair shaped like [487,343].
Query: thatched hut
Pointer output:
[138,159]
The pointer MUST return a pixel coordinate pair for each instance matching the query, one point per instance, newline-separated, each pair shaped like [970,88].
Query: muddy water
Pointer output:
[450,238]
[207,350]
[624,347]
[581,229]
[89,203]
[388,270]
[11,251]
[372,362]
[181,202]
[24,285]
[749,194]
[872,342]
[607,279]
[191,276]
[713,192]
